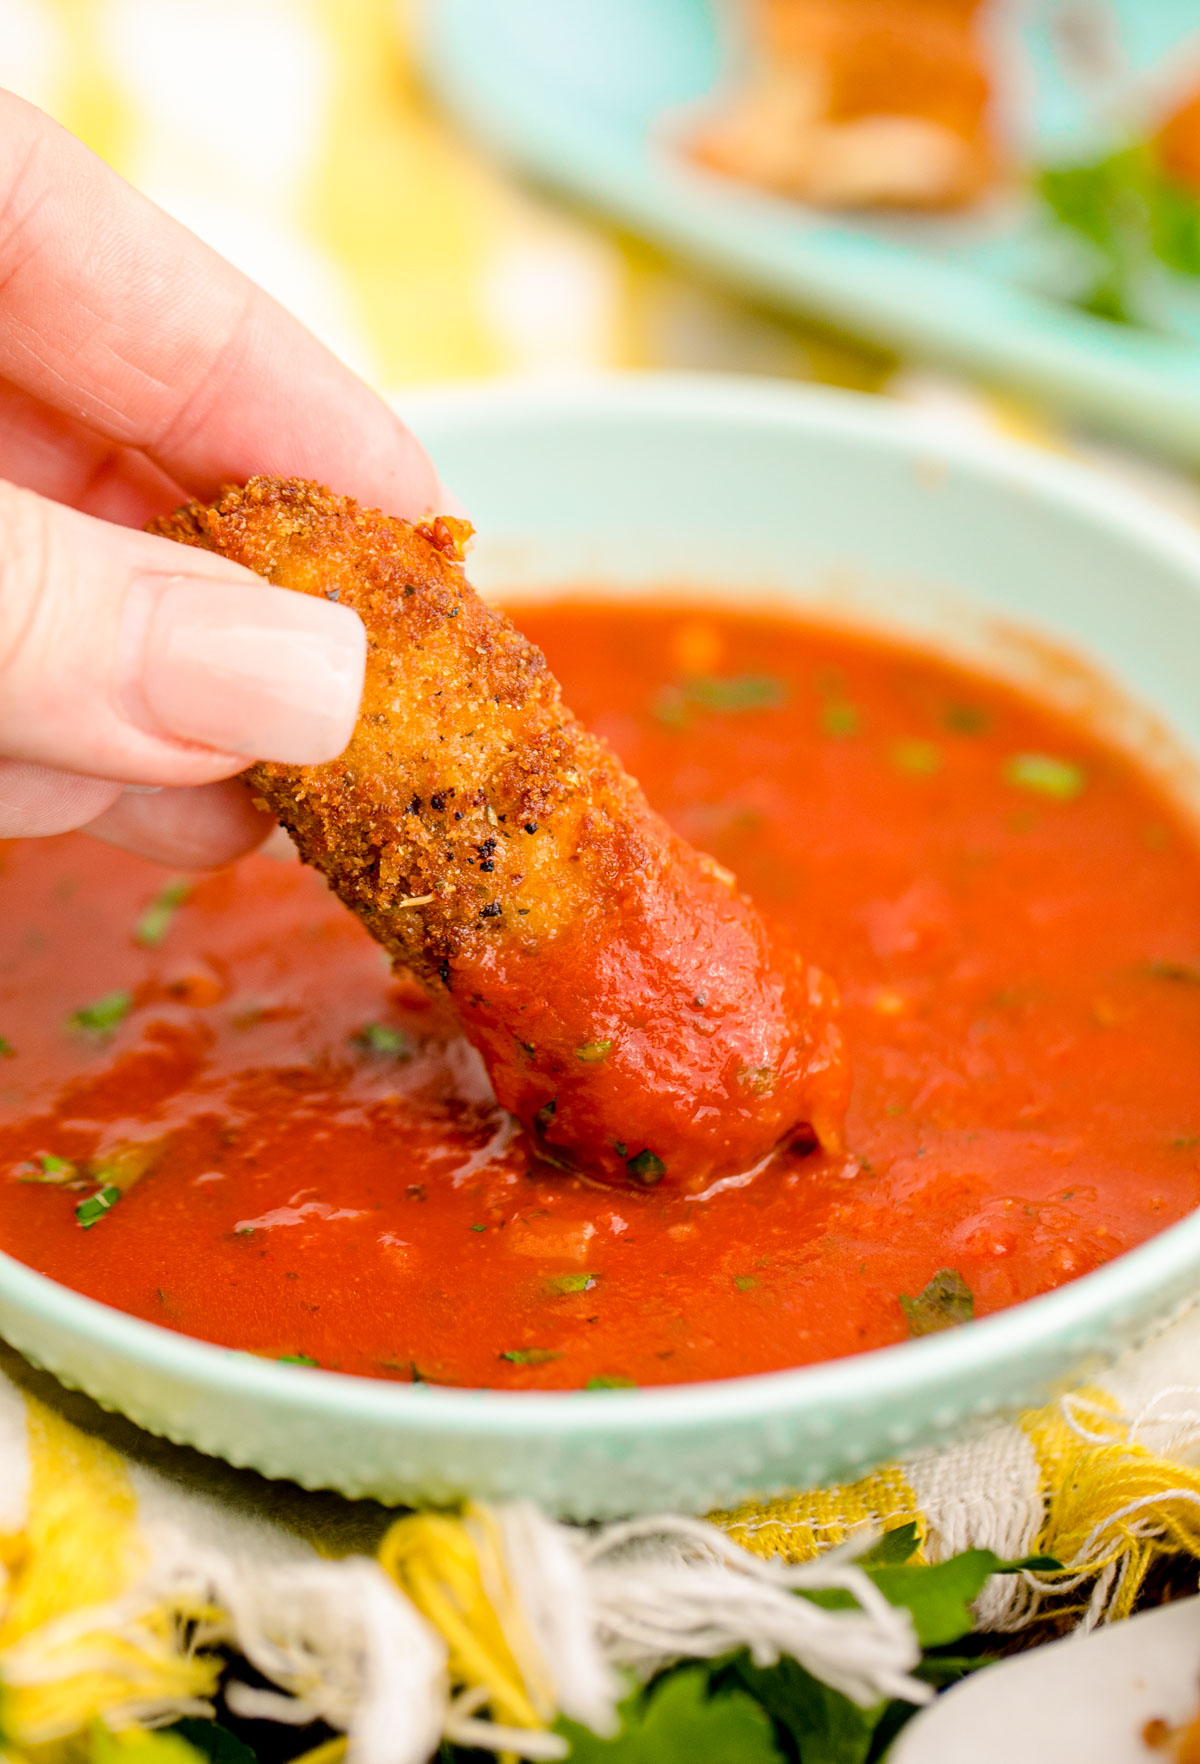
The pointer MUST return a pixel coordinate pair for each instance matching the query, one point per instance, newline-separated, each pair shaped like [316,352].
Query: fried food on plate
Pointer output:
[861,103]
[629,1003]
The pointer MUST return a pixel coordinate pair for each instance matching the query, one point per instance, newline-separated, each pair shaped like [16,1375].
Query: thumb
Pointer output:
[127,657]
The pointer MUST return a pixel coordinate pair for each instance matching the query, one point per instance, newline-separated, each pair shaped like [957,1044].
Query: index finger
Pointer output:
[116,315]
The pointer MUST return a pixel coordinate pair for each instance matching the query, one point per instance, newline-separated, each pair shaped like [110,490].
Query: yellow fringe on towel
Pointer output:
[453,1571]
[80,1551]
[1113,1508]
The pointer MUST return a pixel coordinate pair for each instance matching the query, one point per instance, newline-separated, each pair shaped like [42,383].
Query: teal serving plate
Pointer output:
[593,97]
[845,508]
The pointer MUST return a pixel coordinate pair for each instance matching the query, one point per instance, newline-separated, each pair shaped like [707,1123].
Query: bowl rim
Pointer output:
[862,1379]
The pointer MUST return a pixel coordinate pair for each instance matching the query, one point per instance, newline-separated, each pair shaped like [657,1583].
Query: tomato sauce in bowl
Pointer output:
[219,1112]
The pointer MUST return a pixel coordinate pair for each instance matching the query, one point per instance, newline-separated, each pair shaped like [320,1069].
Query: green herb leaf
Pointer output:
[647,1168]
[592,1051]
[7,1050]
[735,692]
[476,1227]
[676,705]
[215,1743]
[745,1282]
[893,1548]
[840,719]
[545,1115]
[136,1745]
[939,1595]
[531,1356]
[966,719]
[1058,779]
[155,922]
[610,1381]
[1178,973]
[104,1014]
[945,1303]
[564,1283]
[825,1726]
[97,1206]
[381,1038]
[920,759]
[1128,213]
[681,1720]
[298,1360]
[58,1172]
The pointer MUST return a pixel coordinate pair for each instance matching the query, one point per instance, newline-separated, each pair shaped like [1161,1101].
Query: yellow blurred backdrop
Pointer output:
[294,136]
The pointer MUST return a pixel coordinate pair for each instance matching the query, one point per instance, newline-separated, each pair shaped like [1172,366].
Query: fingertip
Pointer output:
[201,828]
[38,801]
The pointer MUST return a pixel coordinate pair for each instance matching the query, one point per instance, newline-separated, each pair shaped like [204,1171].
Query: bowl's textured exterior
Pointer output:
[744,491]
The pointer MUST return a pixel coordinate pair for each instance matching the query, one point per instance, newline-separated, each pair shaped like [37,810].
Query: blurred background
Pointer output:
[1034,152]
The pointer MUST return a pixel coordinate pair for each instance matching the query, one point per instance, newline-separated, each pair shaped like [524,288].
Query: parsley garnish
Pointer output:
[967,719]
[730,693]
[920,759]
[54,1170]
[531,1356]
[610,1381]
[1179,973]
[680,1719]
[745,1282]
[592,1051]
[155,922]
[735,692]
[104,1014]
[97,1206]
[1045,776]
[1128,215]
[297,1360]
[7,1050]
[477,1228]
[563,1283]
[381,1038]
[733,1711]
[840,719]
[946,1302]
[647,1168]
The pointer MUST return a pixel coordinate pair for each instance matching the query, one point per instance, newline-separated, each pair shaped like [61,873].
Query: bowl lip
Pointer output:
[1052,1322]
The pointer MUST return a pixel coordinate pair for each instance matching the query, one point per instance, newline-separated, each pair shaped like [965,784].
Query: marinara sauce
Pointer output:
[219,1111]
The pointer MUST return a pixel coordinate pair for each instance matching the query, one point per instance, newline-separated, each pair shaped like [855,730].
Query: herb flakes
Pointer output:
[593,1051]
[531,1356]
[51,1169]
[1058,779]
[946,1302]
[155,922]
[561,1284]
[97,1206]
[647,1168]
[381,1038]
[104,1014]
[840,719]
[919,759]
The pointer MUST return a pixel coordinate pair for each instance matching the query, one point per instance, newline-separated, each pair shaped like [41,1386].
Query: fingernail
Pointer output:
[246,669]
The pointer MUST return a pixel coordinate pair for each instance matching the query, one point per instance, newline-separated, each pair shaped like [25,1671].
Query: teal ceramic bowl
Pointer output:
[748,492]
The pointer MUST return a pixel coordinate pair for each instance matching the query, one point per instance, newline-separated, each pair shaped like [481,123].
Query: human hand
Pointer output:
[138,369]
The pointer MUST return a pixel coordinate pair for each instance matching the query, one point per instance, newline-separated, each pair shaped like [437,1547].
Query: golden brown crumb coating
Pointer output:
[497,849]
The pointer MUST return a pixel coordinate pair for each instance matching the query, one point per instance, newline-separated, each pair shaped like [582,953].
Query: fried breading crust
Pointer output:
[631,1008]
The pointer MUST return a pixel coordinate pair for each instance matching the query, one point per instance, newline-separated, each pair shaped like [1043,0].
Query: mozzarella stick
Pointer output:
[631,1006]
